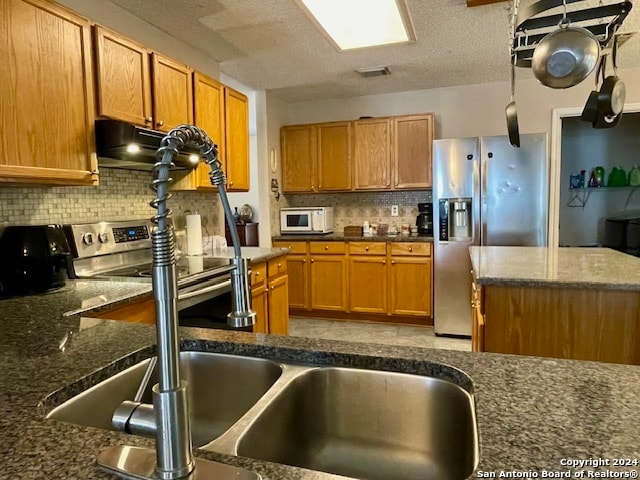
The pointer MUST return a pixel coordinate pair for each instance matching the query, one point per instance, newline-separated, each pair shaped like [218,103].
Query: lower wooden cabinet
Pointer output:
[270,296]
[477,317]
[410,279]
[368,277]
[328,276]
[141,311]
[384,281]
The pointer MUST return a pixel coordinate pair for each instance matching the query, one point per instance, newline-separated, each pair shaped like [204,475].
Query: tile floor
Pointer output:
[404,335]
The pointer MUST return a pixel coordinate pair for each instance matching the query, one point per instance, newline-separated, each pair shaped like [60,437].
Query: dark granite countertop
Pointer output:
[532,412]
[339,237]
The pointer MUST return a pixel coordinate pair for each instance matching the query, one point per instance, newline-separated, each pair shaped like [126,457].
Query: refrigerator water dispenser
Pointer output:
[455,219]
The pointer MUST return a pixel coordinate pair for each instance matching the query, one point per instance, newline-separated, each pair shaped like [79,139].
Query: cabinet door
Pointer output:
[47,106]
[410,286]
[260,305]
[172,93]
[413,148]
[372,153]
[279,305]
[209,115]
[334,156]
[328,282]
[123,80]
[142,311]
[368,283]
[236,107]
[297,266]
[297,144]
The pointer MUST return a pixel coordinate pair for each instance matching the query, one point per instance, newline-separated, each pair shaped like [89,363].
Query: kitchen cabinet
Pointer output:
[410,279]
[316,158]
[259,298]
[172,84]
[298,271]
[372,154]
[328,276]
[387,153]
[368,277]
[412,156]
[223,113]
[236,109]
[141,311]
[269,296]
[333,154]
[297,144]
[278,296]
[373,281]
[477,316]
[123,78]
[47,95]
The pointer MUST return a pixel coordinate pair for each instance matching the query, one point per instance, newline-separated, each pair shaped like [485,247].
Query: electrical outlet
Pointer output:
[394,210]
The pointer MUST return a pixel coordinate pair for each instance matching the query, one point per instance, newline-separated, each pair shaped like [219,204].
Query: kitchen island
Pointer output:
[533,413]
[579,303]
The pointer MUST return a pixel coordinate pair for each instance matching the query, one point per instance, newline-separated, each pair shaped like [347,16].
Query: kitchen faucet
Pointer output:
[168,418]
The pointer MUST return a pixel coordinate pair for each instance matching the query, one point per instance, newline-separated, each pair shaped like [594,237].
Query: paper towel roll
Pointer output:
[194,234]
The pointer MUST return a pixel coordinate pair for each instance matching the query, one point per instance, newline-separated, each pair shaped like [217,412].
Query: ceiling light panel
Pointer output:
[352,24]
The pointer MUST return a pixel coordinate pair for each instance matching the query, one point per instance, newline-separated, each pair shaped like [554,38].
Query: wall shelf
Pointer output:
[580,196]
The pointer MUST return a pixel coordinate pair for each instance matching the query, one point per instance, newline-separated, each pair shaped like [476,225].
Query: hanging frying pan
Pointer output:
[590,111]
[511,110]
[610,97]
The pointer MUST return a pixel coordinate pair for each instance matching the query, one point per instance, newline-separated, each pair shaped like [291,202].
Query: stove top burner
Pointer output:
[185,267]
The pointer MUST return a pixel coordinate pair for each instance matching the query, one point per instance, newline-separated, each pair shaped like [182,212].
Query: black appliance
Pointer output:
[622,233]
[124,145]
[33,258]
[424,220]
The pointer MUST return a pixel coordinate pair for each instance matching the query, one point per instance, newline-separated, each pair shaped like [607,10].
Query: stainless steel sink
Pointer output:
[222,388]
[367,424]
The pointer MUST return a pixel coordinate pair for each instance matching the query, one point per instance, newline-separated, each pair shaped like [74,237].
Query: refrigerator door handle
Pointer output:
[483,198]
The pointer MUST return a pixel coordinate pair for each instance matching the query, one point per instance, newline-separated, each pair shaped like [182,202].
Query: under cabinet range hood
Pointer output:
[127,146]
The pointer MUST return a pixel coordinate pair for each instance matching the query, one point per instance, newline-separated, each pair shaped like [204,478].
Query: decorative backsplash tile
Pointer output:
[121,195]
[355,208]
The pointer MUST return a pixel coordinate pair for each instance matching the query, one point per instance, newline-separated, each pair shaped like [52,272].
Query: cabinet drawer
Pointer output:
[258,273]
[327,247]
[277,266]
[367,248]
[294,247]
[411,248]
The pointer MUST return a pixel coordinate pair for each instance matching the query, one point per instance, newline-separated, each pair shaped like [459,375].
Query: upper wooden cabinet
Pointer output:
[47,95]
[316,158]
[123,78]
[209,115]
[172,93]
[141,87]
[224,114]
[389,153]
[413,151]
[297,144]
[236,108]
[372,153]
[333,155]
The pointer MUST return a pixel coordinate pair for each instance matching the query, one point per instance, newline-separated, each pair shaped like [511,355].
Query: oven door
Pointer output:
[217,287]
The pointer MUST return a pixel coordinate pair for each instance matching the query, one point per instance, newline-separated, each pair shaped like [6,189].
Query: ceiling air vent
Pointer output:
[373,71]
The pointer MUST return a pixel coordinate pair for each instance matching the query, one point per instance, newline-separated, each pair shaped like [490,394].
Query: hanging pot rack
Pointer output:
[531,27]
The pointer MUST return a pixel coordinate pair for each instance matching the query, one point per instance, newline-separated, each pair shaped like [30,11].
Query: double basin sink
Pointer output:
[367,424]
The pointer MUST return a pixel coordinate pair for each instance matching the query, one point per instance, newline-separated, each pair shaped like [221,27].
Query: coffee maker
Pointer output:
[424,220]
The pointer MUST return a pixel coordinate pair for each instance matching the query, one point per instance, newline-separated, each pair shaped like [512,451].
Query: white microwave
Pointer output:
[306,220]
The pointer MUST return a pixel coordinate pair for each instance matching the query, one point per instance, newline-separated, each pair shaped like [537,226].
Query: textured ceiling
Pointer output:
[272,45]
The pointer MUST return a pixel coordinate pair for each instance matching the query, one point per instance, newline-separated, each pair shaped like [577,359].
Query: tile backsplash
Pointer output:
[121,195]
[355,208]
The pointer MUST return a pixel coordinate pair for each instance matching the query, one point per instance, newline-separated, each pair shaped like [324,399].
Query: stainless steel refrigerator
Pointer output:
[485,192]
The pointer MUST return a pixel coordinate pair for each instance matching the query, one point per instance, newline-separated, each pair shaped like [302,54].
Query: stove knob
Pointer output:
[103,237]
[87,239]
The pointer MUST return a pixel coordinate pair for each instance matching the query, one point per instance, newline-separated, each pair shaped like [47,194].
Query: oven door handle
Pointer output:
[205,290]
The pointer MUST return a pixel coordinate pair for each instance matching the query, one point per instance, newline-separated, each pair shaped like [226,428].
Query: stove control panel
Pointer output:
[96,239]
